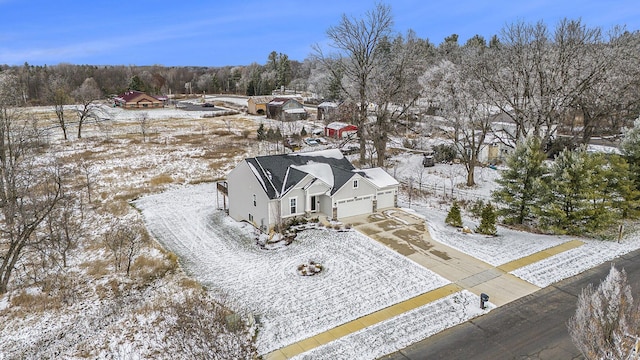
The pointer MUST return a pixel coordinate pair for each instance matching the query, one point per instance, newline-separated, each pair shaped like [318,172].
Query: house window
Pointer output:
[292,205]
[250,218]
[355,184]
[254,200]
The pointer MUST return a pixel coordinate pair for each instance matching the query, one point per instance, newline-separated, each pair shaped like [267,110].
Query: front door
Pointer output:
[314,204]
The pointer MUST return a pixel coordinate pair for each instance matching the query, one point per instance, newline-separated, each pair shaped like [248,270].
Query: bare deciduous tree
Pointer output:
[605,325]
[356,41]
[29,188]
[392,89]
[86,95]
[466,112]
[144,122]
[58,93]
[64,226]
[88,173]
[125,241]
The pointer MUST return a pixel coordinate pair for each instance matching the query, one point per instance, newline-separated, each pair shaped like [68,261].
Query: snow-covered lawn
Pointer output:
[401,331]
[360,276]
[509,245]
[575,261]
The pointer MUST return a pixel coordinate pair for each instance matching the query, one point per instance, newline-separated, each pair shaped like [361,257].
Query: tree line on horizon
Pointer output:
[573,78]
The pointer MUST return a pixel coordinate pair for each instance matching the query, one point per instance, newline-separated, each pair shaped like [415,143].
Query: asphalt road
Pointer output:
[532,327]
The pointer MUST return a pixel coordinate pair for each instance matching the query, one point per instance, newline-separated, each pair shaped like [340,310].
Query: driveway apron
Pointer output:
[409,235]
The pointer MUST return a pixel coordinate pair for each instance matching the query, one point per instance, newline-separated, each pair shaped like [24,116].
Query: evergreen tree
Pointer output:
[277,135]
[303,132]
[261,134]
[444,153]
[520,188]
[630,147]
[488,221]
[284,70]
[271,134]
[621,187]
[494,43]
[577,201]
[334,86]
[454,218]
[137,84]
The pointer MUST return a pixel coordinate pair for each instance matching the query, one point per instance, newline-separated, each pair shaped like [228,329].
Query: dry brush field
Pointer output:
[92,307]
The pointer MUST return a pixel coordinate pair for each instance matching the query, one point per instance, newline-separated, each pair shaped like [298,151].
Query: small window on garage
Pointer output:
[254,200]
[250,217]
[292,205]
[355,184]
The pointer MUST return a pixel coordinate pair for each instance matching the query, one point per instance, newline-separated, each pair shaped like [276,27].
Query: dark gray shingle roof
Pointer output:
[277,175]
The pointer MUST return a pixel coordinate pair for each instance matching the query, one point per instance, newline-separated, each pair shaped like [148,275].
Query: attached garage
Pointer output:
[386,199]
[355,206]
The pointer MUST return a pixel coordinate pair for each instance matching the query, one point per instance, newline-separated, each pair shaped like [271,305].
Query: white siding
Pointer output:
[243,185]
[385,199]
[356,206]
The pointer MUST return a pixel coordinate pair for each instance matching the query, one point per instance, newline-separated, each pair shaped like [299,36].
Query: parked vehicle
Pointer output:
[311,141]
[350,149]
[428,160]
[291,144]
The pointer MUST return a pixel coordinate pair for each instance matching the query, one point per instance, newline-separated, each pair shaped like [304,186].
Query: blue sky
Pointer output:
[239,32]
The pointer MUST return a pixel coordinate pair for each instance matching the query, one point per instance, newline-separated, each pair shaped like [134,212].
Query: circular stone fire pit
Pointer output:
[309,269]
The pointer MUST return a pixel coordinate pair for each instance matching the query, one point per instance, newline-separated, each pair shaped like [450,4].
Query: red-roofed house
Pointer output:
[133,99]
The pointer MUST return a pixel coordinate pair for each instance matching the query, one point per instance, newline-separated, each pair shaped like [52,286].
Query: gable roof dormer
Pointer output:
[279,173]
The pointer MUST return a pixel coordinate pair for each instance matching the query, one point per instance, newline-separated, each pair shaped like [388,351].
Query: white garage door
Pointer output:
[385,199]
[353,207]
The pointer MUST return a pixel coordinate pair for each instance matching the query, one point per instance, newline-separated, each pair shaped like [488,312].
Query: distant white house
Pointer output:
[500,142]
[327,110]
[267,189]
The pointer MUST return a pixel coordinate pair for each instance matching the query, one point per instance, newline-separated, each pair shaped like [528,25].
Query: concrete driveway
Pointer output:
[408,235]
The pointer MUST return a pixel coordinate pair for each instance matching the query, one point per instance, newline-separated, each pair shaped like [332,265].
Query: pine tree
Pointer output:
[578,200]
[261,134]
[621,187]
[630,147]
[605,323]
[303,132]
[520,187]
[488,221]
[137,84]
[270,134]
[454,218]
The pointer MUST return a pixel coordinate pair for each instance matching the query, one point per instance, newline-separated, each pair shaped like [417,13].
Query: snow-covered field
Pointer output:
[360,276]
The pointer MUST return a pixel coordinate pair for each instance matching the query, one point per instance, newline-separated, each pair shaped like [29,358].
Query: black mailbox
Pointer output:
[483,299]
